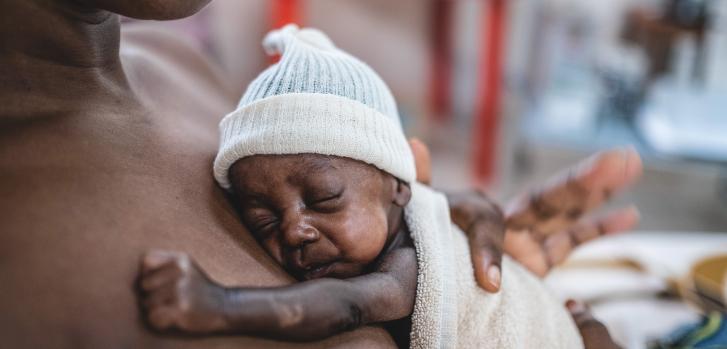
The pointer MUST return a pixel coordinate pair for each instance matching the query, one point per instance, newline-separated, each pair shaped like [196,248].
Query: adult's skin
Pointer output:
[105,153]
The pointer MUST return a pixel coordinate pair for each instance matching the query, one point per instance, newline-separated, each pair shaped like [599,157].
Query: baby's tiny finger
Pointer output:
[160,277]
[160,297]
[156,258]
[162,318]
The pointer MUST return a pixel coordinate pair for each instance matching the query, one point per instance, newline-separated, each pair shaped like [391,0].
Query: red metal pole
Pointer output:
[284,12]
[441,73]
[488,110]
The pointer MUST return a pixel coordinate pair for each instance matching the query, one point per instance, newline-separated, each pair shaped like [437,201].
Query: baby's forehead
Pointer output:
[315,163]
[261,170]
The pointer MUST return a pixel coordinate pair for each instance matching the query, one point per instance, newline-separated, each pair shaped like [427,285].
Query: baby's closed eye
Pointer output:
[265,223]
[327,202]
[260,221]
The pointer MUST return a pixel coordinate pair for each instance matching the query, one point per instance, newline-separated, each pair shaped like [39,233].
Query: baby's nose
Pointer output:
[298,233]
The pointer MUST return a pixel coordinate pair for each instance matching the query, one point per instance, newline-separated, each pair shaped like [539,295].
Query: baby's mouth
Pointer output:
[317,271]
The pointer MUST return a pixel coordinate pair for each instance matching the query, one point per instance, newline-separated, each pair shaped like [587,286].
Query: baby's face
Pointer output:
[317,216]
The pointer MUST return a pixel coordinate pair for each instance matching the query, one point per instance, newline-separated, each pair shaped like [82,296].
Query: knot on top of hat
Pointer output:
[277,41]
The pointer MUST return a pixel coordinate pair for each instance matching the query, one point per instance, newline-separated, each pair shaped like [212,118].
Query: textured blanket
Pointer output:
[451,311]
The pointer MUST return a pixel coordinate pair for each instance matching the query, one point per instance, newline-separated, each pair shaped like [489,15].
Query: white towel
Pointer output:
[451,311]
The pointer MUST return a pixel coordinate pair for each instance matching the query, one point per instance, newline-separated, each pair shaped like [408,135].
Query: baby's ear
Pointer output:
[402,193]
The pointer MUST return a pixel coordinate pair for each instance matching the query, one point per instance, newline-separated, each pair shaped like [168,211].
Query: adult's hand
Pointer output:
[483,222]
[545,225]
[542,227]
[594,333]
[479,217]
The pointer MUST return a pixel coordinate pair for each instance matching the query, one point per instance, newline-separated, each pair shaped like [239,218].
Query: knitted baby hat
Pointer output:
[316,99]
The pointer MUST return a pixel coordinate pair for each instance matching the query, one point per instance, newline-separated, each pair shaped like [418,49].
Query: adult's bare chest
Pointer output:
[140,180]
[84,196]
[78,216]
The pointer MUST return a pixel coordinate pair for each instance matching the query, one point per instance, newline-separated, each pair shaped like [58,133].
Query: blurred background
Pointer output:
[507,92]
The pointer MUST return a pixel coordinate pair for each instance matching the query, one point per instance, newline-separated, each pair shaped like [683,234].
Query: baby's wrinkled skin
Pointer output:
[319,216]
[334,223]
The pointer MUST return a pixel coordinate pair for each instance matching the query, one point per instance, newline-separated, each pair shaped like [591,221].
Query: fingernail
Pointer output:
[575,306]
[493,275]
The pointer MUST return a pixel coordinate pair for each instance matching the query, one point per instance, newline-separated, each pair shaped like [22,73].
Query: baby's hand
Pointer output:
[178,295]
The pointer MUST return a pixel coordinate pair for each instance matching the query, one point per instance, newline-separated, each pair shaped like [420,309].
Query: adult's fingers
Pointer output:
[484,224]
[486,248]
[581,314]
[527,251]
[612,169]
[422,160]
[593,332]
[568,196]
[578,310]
[559,246]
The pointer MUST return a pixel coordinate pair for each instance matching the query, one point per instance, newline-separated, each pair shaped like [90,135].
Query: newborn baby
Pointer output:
[322,174]
[331,220]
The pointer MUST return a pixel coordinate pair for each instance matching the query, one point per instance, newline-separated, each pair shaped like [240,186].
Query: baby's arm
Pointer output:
[178,295]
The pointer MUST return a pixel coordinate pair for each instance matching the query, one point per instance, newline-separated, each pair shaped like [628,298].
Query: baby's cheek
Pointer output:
[272,247]
[365,237]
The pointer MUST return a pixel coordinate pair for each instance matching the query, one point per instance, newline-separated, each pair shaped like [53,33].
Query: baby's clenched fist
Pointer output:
[176,294]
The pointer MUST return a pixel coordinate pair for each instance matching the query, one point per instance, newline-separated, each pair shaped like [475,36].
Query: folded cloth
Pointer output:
[451,311]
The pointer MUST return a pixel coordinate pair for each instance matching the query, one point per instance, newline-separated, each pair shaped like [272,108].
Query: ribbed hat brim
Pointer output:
[302,123]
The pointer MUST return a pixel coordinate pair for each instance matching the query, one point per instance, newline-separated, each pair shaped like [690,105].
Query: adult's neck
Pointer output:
[55,52]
